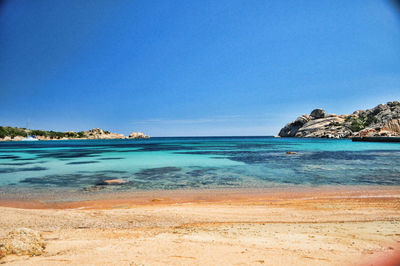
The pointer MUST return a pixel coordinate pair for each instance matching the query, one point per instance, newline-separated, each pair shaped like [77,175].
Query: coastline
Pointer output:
[48,139]
[24,134]
[254,196]
[310,226]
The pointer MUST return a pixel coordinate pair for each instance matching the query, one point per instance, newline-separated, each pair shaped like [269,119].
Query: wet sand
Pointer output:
[311,226]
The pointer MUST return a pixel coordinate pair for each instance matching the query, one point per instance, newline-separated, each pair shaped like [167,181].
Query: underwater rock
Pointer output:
[115,181]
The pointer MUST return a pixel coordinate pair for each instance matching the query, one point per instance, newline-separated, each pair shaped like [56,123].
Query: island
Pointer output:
[379,123]
[16,134]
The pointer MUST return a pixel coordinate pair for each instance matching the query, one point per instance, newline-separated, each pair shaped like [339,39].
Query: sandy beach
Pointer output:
[200,133]
[345,226]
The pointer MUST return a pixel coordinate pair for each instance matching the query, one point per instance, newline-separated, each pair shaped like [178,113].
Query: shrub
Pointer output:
[81,134]
[357,125]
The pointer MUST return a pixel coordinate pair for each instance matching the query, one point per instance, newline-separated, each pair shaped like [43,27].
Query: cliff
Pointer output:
[382,120]
[14,133]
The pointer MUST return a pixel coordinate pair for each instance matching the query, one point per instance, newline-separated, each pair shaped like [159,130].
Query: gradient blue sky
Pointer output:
[189,68]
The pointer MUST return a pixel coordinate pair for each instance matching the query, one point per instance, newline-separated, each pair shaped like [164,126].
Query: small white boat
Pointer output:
[30,138]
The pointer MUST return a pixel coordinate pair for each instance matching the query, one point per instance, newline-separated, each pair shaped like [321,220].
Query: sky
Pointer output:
[193,68]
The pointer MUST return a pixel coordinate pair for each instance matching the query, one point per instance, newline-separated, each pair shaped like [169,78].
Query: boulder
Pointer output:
[393,104]
[138,135]
[378,109]
[291,128]
[22,241]
[318,113]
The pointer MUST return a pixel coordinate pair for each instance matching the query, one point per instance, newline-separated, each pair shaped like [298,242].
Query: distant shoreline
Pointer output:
[22,134]
[158,137]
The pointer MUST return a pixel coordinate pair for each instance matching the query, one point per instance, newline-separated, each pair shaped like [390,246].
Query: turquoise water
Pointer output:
[196,163]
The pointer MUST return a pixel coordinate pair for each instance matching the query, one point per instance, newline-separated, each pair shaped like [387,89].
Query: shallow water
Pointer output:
[195,163]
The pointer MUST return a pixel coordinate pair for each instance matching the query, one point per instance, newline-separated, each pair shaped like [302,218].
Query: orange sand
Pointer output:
[314,226]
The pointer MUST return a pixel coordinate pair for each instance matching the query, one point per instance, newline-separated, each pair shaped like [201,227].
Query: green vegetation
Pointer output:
[23,132]
[370,120]
[363,121]
[38,132]
[12,132]
[81,134]
[357,125]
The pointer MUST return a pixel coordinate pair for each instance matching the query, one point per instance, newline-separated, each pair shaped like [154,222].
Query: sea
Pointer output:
[179,163]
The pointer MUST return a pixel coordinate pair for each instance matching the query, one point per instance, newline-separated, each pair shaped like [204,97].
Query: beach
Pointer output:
[201,201]
[200,133]
[310,226]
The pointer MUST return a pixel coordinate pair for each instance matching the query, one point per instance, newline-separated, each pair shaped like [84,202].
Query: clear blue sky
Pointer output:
[184,68]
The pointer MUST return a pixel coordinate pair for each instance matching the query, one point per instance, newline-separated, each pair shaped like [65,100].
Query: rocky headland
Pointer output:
[382,120]
[15,134]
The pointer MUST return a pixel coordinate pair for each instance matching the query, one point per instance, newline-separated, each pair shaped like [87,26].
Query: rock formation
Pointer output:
[138,135]
[98,133]
[383,120]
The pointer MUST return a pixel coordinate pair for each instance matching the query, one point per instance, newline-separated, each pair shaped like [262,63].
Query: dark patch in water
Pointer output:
[14,170]
[260,157]
[161,147]
[158,173]
[83,162]
[24,159]
[104,172]
[70,180]
[339,155]
[115,158]
[68,154]
[200,172]
[5,157]
[177,178]
[16,164]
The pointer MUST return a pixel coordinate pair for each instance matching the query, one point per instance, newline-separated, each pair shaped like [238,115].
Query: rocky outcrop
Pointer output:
[22,241]
[98,133]
[383,120]
[138,135]
[292,128]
